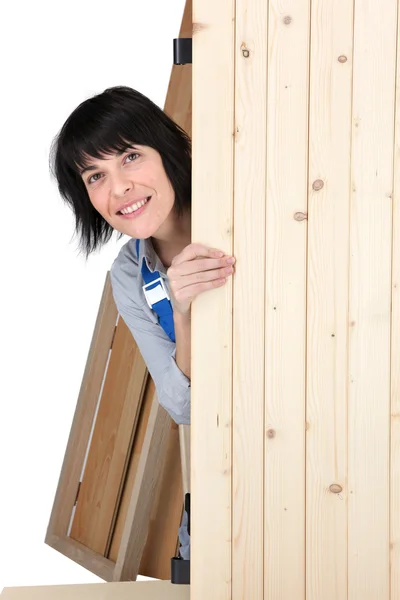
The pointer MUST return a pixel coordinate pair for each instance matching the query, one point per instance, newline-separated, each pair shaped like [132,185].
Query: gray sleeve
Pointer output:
[158,352]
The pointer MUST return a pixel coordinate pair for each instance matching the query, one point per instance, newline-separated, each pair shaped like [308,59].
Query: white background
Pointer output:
[54,55]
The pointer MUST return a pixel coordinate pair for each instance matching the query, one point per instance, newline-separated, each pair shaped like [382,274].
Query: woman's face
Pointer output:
[120,180]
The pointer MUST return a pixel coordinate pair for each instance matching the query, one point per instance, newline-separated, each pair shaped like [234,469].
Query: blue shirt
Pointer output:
[156,348]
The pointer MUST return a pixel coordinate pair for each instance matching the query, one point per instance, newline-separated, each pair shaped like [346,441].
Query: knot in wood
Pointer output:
[335,488]
[287,20]
[342,58]
[245,51]
[318,184]
[271,433]
[300,216]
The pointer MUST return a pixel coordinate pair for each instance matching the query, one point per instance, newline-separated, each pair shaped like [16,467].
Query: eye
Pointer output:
[130,155]
[94,178]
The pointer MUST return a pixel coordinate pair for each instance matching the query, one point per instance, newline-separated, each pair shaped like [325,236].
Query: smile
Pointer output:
[133,207]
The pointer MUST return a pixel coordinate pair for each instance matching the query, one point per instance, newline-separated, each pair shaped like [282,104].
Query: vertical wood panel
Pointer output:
[84,414]
[166,515]
[110,447]
[211,369]
[285,278]
[150,466]
[249,301]
[327,298]
[132,469]
[395,356]
[370,298]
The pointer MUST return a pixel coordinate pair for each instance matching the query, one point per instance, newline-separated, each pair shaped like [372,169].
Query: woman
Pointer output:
[122,164]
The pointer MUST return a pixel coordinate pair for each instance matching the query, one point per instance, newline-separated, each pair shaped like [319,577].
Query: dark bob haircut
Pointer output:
[107,123]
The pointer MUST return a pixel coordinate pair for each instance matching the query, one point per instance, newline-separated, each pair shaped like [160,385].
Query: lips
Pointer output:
[131,203]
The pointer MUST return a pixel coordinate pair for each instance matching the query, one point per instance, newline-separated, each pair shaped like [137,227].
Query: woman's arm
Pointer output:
[159,354]
[182,337]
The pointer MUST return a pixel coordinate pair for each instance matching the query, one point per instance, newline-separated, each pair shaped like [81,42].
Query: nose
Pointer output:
[120,185]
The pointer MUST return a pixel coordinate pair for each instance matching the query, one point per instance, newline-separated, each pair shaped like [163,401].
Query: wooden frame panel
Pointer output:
[160,439]
[68,484]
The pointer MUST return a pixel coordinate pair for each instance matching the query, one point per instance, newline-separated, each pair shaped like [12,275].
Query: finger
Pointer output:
[196,266]
[189,293]
[194,251]
[201,277]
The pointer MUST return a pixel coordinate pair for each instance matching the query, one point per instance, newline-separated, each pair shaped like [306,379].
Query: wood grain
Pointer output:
[167,512]
[149,470]
[132,470]
[139,590]
[285,283]
[328,299]
[109,450]
[370,299]
[211,369]
[394,545]
[249,300]
[84,415]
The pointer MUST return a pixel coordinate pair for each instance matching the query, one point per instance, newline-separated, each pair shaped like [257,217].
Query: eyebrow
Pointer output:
[119,153]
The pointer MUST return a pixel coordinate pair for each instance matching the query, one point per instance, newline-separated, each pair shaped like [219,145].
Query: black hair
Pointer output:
[107,123]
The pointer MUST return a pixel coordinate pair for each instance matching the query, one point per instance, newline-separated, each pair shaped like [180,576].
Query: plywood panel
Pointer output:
[330,128]
[110,446]
[211,369]
[370,298]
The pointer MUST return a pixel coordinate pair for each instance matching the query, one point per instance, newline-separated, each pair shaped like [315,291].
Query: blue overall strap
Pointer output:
[157,297]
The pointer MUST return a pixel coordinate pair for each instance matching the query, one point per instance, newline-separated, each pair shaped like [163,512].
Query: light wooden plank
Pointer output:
[249,299]
[394,553]
[84,414]
[110,446]
[139,590]
[166,515]
[150,467]
[132,470]
[285,280]
[327,298]
[370,298]
[211,368]
[184,442]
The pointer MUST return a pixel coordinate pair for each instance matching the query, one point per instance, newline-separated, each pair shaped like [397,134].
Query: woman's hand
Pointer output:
[194,271]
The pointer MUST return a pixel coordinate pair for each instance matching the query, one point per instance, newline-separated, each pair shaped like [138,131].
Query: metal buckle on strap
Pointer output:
[155,294]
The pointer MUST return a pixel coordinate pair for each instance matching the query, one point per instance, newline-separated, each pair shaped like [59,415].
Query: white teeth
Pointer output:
[134,207]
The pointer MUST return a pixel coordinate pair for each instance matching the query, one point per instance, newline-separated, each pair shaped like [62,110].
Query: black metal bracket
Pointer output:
[180,568]
[182,51]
